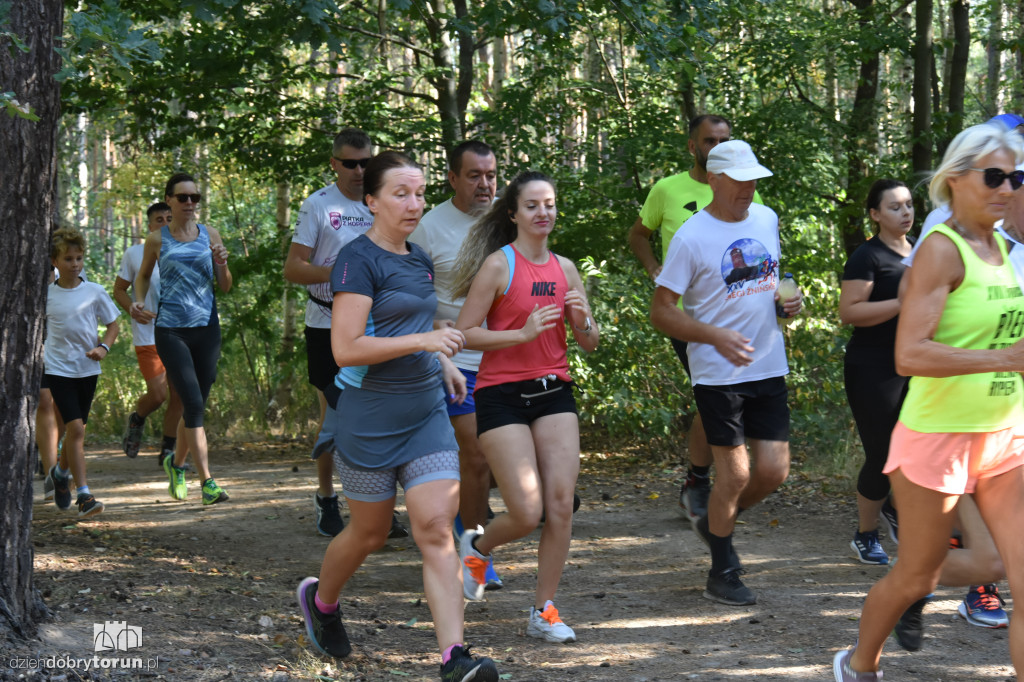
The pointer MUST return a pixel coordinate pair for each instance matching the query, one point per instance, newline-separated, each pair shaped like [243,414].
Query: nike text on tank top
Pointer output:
[529,285]
[985,312]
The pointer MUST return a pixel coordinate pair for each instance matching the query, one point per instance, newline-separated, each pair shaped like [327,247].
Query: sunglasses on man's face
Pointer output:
[995,177]
[352,163]
[185,198]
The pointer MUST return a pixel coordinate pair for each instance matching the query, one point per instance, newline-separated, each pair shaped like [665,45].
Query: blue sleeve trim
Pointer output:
[510,256]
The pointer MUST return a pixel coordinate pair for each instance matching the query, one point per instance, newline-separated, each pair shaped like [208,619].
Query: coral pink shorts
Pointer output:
[953,462]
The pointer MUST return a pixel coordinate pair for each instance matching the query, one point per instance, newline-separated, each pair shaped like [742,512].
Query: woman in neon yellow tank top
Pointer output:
[961,428]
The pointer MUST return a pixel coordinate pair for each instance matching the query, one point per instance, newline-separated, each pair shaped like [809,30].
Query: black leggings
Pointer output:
[875,393]
[190,356]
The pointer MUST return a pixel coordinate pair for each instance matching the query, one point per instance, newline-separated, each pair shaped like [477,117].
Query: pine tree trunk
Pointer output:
[921,151]
[27,210]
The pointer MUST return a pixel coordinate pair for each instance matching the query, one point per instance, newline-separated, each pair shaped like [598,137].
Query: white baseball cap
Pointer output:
[736,159]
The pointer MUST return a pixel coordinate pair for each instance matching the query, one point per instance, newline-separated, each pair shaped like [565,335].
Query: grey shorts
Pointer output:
[378,485]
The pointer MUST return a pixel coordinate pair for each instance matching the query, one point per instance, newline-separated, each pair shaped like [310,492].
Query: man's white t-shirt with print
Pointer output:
[73,317]
[726,274]
[441,233]
[131,262]
[327,221]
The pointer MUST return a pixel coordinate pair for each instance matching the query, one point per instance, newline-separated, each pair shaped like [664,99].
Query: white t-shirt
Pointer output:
[938,215]
[131,262]
[441,233]
[72,319]
[726,274]
[327,221]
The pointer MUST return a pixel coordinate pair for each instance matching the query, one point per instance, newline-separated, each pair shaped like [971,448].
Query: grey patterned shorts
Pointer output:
[377,485]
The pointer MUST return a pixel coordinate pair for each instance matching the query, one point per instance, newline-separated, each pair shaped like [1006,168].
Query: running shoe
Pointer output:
[546,625]
[162,456]
[844,673]
[868,550]
[397,529]
[88,506]
[177,486]
[47,488]
[133,435]
[983,606]
[891,520]
[909,630]
[956,541]
[328,518]
[693,496]
[474,566]
[462,667]
[325,630]
[457,528]
[212,493]
[492,581]
[61,489]
[725,587]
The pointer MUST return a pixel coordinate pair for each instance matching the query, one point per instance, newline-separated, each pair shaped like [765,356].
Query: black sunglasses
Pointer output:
[352,163]
[185,198]
[994,177]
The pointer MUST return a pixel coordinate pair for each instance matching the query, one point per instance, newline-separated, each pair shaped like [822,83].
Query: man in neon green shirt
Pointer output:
[672,201]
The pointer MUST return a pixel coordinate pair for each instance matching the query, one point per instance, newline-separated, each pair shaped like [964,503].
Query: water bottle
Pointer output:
[787,289]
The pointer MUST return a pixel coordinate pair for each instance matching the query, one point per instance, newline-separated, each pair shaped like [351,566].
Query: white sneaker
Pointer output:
[474,566]
[547,625]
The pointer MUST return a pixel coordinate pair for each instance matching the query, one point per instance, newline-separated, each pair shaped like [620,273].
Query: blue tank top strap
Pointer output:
[510,256]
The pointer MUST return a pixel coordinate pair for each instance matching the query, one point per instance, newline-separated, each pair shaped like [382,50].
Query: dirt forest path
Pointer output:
[212,589]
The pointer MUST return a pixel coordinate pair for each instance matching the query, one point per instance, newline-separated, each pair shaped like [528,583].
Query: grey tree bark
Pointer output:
[27,210]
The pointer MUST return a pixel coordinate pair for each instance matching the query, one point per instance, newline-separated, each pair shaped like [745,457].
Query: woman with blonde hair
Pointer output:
[961,427]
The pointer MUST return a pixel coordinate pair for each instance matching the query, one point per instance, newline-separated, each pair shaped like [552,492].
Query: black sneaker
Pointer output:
[326,631]
[909,630]
[891,520]
[61,489]
[133,435]
[693,496]
[462,667]
[727,588]
[397,529]
[88,506]
[328,518]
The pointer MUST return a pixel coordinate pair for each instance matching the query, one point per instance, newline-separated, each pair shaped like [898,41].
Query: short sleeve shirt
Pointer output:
[401,287]
[673,201]
[875,262]
[326,222]
[440,234]
[72,319]
[131,263]
[726,274]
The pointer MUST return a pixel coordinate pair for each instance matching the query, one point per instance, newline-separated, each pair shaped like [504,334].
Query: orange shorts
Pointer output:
[952,463]
[149,362]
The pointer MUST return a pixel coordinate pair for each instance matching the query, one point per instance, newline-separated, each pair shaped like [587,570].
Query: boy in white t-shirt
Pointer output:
[71,358]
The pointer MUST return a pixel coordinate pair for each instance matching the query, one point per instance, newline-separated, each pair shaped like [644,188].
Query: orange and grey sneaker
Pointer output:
[474,565]
[983,606]
[545,624]
[88,506]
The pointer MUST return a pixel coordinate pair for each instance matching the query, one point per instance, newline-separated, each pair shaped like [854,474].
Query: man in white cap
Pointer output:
[724,263]
[672,201]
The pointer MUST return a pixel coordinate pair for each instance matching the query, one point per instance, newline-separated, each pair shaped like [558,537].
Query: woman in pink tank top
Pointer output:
[526,412]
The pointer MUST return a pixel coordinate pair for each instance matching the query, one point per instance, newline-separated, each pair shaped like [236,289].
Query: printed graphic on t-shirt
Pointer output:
[747,260]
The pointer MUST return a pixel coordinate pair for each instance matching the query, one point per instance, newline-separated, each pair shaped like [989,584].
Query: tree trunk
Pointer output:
[921,151]
[958,66]
[283,392]
[862,135]
[27,209]
[995,57]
